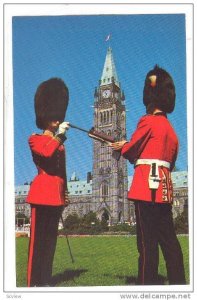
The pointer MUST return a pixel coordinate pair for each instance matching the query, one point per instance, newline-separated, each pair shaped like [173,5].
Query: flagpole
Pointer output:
[108,39]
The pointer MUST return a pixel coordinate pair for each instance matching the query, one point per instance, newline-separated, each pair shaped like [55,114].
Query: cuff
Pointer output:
[60,137]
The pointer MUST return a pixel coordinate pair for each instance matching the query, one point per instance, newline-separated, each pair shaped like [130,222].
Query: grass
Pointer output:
[98,261]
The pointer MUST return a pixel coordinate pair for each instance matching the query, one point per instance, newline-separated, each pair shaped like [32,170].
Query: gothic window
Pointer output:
[108,170]
[101,118]
[110,118]
[104,117]
[104,189]
[120,190]
[101,171]
[107,116]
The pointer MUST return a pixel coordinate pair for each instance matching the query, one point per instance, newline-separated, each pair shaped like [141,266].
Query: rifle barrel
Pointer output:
[79,128]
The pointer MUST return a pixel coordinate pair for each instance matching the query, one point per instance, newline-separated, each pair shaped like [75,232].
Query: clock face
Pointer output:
[106,93]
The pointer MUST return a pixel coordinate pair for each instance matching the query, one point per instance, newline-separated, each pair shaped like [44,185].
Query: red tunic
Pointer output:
[154,138]
[49,186]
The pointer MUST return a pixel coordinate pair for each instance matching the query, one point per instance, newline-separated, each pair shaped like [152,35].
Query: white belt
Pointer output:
[160,163]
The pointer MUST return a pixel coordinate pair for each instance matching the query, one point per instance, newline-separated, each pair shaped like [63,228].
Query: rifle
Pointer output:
[101,137]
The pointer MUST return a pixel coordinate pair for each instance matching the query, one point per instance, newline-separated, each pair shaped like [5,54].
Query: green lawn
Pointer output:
[98,261]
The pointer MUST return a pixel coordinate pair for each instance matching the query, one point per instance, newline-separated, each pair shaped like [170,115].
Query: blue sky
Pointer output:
[74,49]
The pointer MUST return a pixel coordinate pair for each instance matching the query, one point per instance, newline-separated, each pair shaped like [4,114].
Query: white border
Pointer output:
[9,209]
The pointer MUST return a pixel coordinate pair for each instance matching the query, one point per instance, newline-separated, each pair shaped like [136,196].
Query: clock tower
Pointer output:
[110,178]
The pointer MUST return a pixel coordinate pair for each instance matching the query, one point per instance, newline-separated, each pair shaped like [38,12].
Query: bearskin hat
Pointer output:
[159,90]
[50,102]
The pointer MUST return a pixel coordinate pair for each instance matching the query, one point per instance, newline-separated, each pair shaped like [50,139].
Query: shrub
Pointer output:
[181,222]
[90,224]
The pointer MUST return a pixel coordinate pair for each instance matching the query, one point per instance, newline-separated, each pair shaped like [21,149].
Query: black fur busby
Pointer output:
[159,91]
[50,102]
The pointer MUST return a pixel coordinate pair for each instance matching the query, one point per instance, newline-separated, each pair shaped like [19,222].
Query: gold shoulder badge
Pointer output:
[36,133]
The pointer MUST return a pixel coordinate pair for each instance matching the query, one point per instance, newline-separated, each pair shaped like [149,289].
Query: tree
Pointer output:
[90,219]
[21,219]
[181,222]
[72,222]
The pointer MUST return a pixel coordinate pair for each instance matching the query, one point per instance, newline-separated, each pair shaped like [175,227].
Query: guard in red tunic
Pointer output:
[48,192]
[153,150]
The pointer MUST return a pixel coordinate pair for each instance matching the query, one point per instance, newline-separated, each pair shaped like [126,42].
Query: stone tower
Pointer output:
[110,178]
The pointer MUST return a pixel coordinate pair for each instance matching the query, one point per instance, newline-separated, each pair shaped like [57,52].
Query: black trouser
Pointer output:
[155,227]
[42,244]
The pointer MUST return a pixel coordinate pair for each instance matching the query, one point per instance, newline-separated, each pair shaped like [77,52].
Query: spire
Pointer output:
[109,74]
[74,177]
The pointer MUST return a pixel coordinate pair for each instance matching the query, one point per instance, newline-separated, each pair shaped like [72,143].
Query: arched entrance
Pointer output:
[105,216]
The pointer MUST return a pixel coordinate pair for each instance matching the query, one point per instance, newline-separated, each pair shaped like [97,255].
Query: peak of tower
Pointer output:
[109,74]
[74,177]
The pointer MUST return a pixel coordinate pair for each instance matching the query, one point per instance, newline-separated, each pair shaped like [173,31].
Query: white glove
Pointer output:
[63,127]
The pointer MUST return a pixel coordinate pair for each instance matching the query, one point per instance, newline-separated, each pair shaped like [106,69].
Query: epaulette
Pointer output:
[36,133]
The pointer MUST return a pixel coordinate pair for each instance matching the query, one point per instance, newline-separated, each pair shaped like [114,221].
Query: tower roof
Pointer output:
[109,70]
[74,177]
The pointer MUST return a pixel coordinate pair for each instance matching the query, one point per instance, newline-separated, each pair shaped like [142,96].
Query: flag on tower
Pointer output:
[108,37]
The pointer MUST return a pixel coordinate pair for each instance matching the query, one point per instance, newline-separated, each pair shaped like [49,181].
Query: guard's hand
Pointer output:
[63,127]
[118,145]
[66,199]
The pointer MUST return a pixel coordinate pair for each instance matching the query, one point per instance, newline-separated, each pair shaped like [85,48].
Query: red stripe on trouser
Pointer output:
[143,246]
[31,246]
